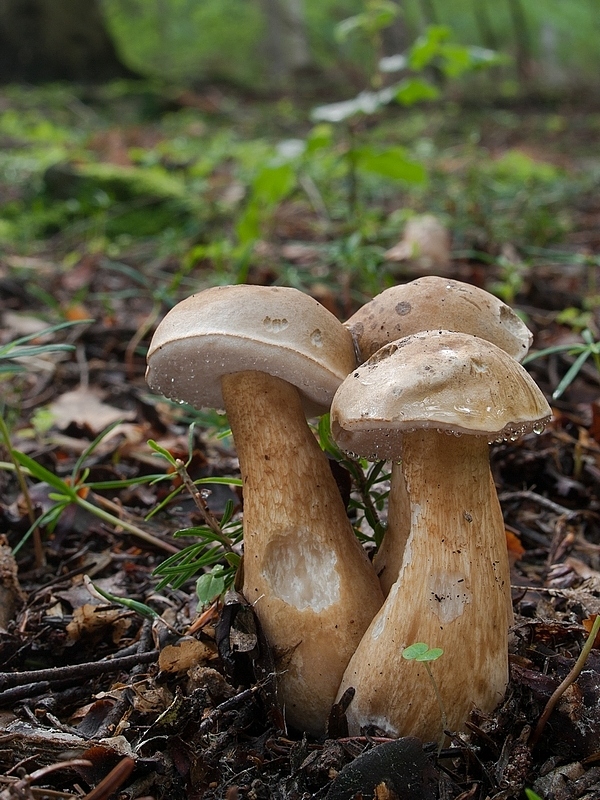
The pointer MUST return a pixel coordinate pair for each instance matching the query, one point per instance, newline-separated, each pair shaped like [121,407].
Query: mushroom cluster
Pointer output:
[437,379]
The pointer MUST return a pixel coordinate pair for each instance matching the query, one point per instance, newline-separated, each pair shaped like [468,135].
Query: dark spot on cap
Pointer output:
[403,308]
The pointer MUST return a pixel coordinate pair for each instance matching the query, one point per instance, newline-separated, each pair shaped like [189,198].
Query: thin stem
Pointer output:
[562,687]
[372,515]
[38,548]
[438,697]
[209,518]
[127,526]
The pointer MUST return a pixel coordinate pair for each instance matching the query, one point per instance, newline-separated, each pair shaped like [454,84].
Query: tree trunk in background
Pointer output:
[484,24]
[286,44]
[50,40]
[429,12]
[523,45]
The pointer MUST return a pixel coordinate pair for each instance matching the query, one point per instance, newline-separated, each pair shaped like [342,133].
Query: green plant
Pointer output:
[511,279]
[586,349]
[531,795]
[76,489]
[11,354]
[377,15]
[218,539]
[133,605]
[432,49]
[370,497]
[22,348]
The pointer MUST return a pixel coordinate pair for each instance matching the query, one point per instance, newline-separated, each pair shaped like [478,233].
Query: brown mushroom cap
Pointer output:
[431,303]
[438,380]
[226,329]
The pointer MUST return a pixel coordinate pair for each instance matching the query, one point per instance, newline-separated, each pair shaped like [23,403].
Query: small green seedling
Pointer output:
[424,654]
[531,795]
[211,585]
[132,605]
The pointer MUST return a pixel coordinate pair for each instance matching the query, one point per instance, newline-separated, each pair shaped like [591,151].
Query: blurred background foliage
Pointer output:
[553,43]
[290,141]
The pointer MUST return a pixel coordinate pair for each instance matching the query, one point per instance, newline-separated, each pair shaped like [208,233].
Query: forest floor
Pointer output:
[135,693]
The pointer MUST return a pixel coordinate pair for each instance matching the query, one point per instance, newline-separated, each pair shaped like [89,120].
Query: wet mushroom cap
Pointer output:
[227,329]
[430,303]
[439,380]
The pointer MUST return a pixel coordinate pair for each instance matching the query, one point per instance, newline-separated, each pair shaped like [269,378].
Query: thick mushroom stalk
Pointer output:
[435,400]
[309,579]
[451,593]
[270,355]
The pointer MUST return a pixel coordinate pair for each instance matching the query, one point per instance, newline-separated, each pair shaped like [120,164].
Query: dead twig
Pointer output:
[87,670]
[550,505]
[22,787]
[115,715]
[111,782]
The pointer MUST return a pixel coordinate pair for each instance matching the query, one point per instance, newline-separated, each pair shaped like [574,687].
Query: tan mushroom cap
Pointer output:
[226,329]
[431,303]
[438,380]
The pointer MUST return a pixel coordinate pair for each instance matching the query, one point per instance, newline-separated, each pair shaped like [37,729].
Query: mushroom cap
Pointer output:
[444,380]
[430,303]
[228,329]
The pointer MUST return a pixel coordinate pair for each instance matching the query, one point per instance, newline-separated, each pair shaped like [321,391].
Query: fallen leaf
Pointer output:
[90,619]
[84,406]
[182,656]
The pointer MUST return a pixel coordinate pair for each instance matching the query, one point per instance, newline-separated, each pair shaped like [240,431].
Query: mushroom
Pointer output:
[269,356]
[436,399]
[432,303]
[428,303]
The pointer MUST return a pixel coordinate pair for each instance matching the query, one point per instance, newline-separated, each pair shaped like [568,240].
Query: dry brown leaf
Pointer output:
[182,656]
[84,406]
[515,548]
[91,619]
[151,699]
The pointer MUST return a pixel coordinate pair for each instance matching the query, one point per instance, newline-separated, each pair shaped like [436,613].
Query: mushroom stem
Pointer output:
[450,593]
[313,588]
[388,558]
